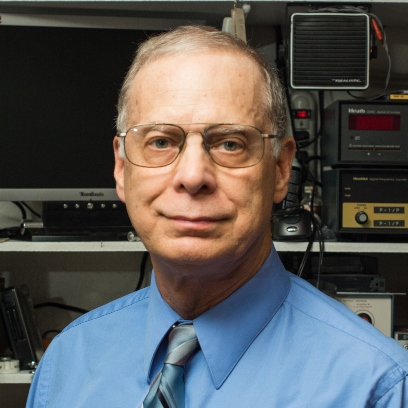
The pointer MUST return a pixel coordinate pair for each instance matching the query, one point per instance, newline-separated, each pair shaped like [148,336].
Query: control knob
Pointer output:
[361,217]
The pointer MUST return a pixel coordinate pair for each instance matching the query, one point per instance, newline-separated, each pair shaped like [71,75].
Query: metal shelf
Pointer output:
[22,377]
[263,12]
[124,246]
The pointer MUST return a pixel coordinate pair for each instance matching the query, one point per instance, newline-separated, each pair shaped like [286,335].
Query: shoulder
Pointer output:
[106,326]
[343,345]
[99,348]
[331,318]
[129,306]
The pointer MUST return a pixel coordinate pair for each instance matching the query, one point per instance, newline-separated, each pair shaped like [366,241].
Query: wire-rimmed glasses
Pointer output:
[228,144]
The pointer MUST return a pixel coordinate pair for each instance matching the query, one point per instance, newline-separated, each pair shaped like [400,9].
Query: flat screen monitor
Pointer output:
[59,82]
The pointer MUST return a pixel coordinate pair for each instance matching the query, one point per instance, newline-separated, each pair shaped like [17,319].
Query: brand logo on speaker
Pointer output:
[344,80]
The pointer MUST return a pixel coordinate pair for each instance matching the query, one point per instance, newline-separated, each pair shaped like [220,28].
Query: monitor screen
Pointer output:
[59,85]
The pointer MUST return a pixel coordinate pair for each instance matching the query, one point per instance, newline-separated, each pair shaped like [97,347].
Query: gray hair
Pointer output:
[192,39]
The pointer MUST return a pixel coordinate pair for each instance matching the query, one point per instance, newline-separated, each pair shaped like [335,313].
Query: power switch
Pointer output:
[361,217]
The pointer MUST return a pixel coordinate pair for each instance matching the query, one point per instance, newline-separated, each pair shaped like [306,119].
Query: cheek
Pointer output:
[253,195]
[139,193]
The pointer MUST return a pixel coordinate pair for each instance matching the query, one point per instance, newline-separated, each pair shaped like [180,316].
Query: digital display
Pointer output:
[390,210]
[374,122]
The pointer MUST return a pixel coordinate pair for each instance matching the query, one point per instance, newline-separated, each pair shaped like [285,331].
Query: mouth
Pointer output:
[200,223]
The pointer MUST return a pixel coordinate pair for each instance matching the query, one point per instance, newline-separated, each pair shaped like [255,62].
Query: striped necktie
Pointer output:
[167,389]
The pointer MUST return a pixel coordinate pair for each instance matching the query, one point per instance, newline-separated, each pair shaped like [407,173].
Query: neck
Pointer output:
[192,289]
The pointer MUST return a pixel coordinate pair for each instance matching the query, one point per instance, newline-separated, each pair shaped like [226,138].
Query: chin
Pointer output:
[193,251]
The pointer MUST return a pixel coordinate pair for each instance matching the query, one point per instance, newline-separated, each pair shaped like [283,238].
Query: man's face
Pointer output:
[193,210]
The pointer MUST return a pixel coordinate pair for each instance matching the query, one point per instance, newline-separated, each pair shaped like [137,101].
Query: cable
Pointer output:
[142,270]
[317,225]
[61,306]
[31,209]
[316,230]
[46,333]
[23,211]
[21,205]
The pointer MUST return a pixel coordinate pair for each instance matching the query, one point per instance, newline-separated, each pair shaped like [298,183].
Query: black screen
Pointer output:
[58,94]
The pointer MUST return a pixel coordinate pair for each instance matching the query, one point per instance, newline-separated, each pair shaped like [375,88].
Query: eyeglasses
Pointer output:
[228,144]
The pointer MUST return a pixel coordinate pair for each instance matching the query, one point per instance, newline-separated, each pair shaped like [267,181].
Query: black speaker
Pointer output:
[329,51]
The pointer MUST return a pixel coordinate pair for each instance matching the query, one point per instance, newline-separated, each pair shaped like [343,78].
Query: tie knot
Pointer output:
[182,344]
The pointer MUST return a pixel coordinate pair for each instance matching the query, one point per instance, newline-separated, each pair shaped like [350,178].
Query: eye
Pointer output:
[226,139]
[160,143]
[230,146]
[162,139]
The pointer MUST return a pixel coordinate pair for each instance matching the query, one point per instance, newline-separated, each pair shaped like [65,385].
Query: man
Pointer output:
[200,160]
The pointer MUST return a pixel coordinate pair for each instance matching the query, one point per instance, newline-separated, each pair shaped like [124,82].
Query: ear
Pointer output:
[119,171]
[283,168]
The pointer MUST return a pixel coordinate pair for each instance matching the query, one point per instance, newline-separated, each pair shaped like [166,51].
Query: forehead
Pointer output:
[209,86]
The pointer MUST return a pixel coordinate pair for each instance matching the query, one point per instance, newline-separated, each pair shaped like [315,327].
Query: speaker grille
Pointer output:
[329,51]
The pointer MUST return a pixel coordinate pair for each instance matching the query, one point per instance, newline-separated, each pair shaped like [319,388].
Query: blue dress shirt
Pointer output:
[275,342]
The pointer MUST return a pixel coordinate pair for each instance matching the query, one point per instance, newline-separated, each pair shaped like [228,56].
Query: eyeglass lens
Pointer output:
[157,145]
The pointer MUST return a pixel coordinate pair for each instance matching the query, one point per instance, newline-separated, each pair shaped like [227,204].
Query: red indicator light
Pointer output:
[302,114]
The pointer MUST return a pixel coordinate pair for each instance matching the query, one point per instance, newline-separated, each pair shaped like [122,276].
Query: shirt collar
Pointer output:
[223,339]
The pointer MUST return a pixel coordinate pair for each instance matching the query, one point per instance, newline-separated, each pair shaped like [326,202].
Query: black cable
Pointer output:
[316,230]
[311,158]
[46,333]
[317,226]
[307,252]
[23,211]
[31,209]
[61,306]
[21,205]
[142,270]
[302,144]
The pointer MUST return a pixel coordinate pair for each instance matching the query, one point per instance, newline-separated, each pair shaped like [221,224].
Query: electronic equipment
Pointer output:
[329,51]
[17,312]
[349,273]
[366,201]
[365,133]
[402,337]
[292,198]
[84,221]
[355,282]
[289,220]
[292,225]
[376,309]
[303,108]
[57,113]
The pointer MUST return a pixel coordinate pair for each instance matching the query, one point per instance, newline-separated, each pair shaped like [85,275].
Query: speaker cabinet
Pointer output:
[329,51]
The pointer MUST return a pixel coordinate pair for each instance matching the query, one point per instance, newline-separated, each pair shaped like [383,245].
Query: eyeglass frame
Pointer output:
[122,136]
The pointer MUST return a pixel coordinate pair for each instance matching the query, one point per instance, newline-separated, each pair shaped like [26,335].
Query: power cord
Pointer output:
[61,306]
[142,270]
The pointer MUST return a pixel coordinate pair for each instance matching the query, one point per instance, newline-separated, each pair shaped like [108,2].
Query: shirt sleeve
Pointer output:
[396,397]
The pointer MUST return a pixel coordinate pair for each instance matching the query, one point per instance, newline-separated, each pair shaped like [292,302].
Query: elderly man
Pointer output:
[200,159]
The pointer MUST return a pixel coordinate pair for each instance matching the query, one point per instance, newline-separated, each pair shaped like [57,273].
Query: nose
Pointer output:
[194,169]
